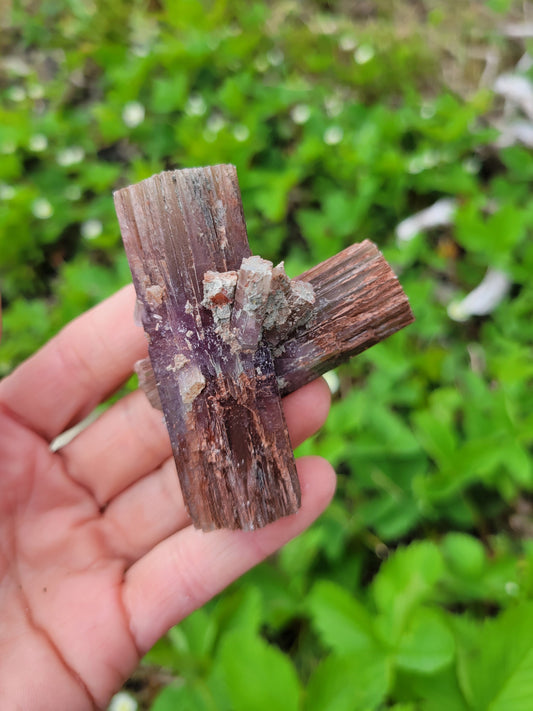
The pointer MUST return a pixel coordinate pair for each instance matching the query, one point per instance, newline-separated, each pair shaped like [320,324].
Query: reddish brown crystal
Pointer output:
[358,303]
[228,332]
[221,402]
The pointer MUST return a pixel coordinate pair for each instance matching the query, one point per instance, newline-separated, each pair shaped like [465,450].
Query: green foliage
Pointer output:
[346,682]
[413,591]
[488,678]
[249,667]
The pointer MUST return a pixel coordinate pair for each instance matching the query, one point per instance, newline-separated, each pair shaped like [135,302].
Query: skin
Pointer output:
[98,558]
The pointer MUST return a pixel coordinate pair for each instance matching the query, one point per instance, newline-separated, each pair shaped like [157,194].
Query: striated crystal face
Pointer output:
[228,333]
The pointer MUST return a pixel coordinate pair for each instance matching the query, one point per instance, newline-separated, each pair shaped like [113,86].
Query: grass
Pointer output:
[343,119]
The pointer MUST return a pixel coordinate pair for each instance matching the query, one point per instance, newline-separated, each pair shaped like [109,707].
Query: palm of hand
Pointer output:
[61,578]
[97,555]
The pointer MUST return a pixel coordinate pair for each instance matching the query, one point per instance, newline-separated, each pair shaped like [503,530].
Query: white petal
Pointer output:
[300,113]
[332,379]
[122,702]
[363,54]
[133,114]
[241,133]
[196,105]
[38,142]
[333,135]
[42,208]
[516,89]
[516,132]
[70,156]
[519,29]
[439,214]
[482,300]
[90,229]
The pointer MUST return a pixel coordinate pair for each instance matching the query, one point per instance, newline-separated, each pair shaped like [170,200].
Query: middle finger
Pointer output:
[130,440]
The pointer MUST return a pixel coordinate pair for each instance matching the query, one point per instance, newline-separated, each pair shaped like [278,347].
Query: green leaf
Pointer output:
[351,682]
[298,555]
[187,647]
[494,236]
[439,691]
[163,654]
[342,622]
[184,698]
[239,610]
[272,199]
[464,554]
[195,635]
[405,580]
[428,644]
[169,94]
[257,676]
[390,516]
[495,660]
[436,436]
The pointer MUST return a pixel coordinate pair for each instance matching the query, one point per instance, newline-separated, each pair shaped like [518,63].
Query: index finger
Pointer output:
[89,359]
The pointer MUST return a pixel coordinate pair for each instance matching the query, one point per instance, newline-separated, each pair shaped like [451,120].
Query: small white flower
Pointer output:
[363,54]
[511,588]
[140,50]
[72,192]
[215,123]
[416,165]
[472,165]
[36,91]
[241,133]
[70,156]
[431,158]
[427,110]
[333,135]
[261,64]
[122,702]
[38,142]
[332,379]
[133,114]
[333,106]
[42,209]
[16,93]
[300,113]
[7,192]
[275,57]
[347,43]
[327,25]
[482,300]
[144,33]
[195,105]
[8,147]
[90,229]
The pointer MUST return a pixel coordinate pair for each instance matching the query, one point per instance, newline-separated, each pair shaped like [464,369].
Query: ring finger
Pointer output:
[130,440]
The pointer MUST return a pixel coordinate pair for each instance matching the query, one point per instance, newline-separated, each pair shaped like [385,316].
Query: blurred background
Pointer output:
[408,122]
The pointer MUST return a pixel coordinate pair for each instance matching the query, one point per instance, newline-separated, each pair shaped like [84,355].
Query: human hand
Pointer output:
[97,554]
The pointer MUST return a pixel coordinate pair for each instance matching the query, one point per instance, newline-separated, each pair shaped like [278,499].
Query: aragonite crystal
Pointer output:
[228,333]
